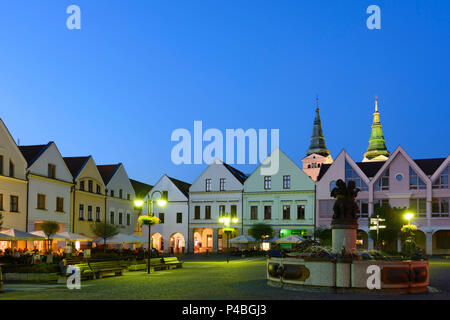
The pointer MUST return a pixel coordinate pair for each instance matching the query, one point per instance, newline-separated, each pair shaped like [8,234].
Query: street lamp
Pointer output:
[226,220]
[162,201]
[409,216]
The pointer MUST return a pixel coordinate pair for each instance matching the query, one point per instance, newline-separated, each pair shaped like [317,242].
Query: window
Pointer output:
[82,185]
[197,212]
[207,212]
[161,217]
[414,181]
[128,219]
[383,182]
[332,185]
[300,212]
[286,182]
[89,213]
[267,212]
[1,202]
[120,193]
[14,204]
[59,204]
[233,211]
[208,185]
[51,171]
[11,169]
[41,201]
[418,207]
[350,174]
[111,217]
[81,212]
[120,218]
[380,202]
[222,184]
[1,165]
[326,208]
[128,196]
[179,217]
[112,193]
[399,177]
[442,181]
[97,214]
[221,210]
[90,185]
[363,208]
[286,212]
[254,213]
[440,207]
[99,190]
[267,182]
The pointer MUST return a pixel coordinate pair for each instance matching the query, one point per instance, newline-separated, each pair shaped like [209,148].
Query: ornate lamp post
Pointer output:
[226,220]
[150,220]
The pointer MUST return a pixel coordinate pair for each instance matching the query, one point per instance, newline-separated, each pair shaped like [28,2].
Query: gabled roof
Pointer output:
[181,185]
[429,166]
[33,152]
[75,164]
[323,169]
[236,173]
[107,171]
[140,189]
[370,169]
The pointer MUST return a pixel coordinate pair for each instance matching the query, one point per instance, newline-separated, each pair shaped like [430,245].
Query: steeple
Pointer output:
[317,139]
[377,146]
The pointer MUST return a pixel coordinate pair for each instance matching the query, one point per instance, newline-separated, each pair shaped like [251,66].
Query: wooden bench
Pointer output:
[156,264]
[106,267]
[85,270]
[172,262]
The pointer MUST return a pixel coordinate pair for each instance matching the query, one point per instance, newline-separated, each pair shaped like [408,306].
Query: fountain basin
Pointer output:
[407,275]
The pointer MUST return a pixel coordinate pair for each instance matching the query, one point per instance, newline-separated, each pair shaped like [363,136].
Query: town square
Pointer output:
[223,152]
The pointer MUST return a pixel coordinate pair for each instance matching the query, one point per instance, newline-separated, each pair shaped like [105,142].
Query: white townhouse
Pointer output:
[49,186]
[13,183]
[120,197]
[171,234]
[421,185]
[284,200]
[217,191]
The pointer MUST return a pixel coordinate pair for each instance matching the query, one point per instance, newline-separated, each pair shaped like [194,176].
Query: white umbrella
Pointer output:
[138,238]
[118,239]
[243,239]
[17,235]
[41,233]
[69,236]
[290,239]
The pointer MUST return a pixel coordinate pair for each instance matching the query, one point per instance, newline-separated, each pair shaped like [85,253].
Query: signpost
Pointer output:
[375,225]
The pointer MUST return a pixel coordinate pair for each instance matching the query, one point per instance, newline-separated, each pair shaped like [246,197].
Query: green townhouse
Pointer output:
[282,197]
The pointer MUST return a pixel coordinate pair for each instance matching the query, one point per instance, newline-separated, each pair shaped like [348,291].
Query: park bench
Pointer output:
[157,264]
[85,270]
[105,267]
[172,262]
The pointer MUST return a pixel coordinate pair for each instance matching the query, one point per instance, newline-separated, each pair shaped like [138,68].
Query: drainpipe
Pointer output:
[315,210]
[188,217]
[28,197]
[73,189]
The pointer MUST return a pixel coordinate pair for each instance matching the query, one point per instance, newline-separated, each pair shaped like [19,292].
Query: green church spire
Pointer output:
[377,145]
[317,139]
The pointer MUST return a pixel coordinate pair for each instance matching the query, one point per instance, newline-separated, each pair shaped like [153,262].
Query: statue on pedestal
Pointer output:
[345,207]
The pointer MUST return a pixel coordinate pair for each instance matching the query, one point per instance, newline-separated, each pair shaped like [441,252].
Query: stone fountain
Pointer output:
[343,267]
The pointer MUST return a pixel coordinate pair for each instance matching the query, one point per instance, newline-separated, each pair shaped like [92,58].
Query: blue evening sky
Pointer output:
[137,70]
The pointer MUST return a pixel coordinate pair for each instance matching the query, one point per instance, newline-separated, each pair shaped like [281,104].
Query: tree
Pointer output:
[258,231]
[393,222]
[324,234]
[49,228]
[105,231]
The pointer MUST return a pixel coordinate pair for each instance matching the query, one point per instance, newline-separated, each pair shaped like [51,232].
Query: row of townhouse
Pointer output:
[38,184]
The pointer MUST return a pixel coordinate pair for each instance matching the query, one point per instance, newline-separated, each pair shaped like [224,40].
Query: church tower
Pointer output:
[317,154]
[377,150]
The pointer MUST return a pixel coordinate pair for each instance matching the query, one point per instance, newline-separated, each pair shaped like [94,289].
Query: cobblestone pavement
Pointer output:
[210,278]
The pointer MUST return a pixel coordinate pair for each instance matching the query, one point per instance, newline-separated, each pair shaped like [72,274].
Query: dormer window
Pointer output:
[51,171]
[90,185]
[82,185]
